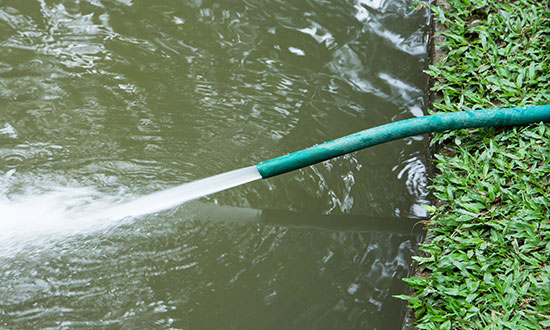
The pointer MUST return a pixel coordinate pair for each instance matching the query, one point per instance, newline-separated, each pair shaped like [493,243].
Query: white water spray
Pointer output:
[34,219]
[172,197]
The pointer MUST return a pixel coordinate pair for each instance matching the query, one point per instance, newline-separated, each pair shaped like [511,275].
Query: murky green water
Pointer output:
[103,101]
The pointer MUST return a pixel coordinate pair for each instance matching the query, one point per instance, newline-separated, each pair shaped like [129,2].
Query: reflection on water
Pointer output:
[258,271]
[103,101]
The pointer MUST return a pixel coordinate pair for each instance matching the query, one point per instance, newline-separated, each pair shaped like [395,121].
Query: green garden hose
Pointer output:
[402,129]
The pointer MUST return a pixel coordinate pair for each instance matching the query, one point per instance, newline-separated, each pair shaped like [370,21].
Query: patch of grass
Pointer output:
[486,260]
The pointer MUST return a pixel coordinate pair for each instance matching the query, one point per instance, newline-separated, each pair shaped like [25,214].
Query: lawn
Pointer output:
[485,263]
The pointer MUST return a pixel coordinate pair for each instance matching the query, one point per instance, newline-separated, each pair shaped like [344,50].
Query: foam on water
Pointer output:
[31,219]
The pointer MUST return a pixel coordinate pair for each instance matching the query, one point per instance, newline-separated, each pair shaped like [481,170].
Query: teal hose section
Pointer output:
[402,129]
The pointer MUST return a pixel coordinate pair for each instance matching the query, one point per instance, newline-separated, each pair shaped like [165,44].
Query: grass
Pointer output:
[486,260]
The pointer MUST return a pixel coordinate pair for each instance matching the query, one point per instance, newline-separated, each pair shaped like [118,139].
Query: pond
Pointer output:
[106,101]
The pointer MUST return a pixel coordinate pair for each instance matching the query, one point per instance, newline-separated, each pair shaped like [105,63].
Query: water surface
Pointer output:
[107,101]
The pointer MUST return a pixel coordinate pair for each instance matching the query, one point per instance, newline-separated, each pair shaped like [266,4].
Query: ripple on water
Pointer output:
[104,101]
[28,155]
[8,131]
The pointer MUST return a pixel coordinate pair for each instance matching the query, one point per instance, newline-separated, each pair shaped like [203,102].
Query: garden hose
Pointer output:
[401,129]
